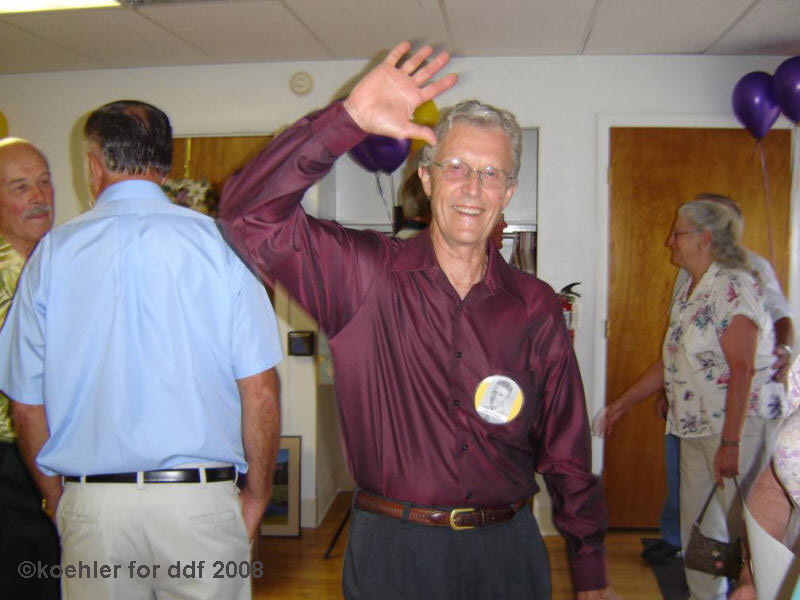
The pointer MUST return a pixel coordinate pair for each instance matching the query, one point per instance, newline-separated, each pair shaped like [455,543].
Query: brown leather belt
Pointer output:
[454,518]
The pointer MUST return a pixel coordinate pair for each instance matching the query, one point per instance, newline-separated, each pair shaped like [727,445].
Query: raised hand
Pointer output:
[384,101]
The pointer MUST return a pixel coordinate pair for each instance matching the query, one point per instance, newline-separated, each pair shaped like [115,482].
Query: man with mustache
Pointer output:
[26,214]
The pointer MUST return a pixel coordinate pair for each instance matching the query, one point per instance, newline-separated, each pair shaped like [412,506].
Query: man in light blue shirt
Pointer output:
[141,355]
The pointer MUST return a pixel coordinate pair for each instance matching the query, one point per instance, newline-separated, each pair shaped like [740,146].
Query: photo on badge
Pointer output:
[498,399]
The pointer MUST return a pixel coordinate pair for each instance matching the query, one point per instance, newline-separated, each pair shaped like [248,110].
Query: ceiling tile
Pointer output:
[257,31]
[518,27]
[22,52]
[772,27]
[361,28]
[661,26]
[115,37]
[187,32]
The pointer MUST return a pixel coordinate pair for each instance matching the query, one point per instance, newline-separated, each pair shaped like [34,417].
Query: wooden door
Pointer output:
[214,158]
[652,172]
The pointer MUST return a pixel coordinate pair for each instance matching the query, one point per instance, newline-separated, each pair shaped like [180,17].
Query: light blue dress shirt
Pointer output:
[132,323]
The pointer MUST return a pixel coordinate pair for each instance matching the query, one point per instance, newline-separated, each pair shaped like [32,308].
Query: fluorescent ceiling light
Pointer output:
[20,6]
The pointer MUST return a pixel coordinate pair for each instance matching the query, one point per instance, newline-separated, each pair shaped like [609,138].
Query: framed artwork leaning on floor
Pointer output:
[282,516]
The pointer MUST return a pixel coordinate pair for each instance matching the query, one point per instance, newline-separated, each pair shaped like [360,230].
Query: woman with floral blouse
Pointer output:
[716,372]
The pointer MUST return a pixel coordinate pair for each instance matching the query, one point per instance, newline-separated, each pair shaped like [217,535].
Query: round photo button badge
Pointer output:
[498,399]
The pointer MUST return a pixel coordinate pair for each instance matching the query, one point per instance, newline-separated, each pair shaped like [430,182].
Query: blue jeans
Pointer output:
[670,515]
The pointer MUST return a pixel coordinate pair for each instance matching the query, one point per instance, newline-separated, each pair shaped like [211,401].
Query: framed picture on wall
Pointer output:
[282,516]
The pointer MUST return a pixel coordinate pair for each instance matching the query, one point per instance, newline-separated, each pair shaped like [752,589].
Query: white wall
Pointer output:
[569,99]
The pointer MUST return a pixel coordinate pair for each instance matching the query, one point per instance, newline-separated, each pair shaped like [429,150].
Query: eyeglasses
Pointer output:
[674,235]
[490,177]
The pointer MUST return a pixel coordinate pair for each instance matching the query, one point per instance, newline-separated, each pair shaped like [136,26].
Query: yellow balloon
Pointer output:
[3,125]
[426,114]
[415,146]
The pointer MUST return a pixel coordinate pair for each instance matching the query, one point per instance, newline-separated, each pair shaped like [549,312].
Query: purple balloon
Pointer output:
[361,155]
[754,103]
[786,85]
[380,153]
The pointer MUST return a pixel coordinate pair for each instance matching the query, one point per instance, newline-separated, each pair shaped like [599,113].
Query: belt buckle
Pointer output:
[458,511]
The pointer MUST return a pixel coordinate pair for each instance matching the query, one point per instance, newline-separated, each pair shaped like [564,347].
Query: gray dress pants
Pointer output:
[388,559]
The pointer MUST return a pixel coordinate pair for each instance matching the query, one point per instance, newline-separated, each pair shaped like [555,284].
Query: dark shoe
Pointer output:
[660,552]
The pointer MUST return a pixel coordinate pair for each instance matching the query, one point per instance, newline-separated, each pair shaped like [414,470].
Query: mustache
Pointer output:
[42,209]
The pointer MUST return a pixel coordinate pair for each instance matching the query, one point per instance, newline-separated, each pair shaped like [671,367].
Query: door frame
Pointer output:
[604,125]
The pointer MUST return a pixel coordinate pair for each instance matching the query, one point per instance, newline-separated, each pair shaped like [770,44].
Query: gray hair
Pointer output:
[725,227]
[134,137]
[480,115]
[726,200]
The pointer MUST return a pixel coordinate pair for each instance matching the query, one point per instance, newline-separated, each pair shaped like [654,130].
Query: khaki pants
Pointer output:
[723,519]
[143,541]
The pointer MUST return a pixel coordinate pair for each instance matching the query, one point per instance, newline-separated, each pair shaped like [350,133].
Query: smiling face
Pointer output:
[26,196]
[466,211]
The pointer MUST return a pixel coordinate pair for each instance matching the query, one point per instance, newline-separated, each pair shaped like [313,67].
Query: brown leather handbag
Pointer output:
[705,554]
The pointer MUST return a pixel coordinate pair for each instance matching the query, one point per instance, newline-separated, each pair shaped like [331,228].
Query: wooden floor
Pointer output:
[294,568]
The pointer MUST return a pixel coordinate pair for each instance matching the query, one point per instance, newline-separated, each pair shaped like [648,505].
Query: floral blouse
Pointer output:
[696,373]
[11,263]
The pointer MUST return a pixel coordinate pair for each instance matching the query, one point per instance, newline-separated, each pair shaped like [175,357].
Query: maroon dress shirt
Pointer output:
[409,354]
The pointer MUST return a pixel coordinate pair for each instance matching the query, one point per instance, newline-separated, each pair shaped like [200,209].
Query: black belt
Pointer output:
[213,475]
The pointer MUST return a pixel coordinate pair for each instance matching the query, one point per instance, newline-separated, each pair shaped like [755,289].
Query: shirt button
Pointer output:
[464,447]
[469,496]
[456,402]
[460,307]
[458,354]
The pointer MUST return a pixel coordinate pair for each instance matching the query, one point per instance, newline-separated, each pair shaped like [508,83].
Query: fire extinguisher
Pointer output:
[570,308]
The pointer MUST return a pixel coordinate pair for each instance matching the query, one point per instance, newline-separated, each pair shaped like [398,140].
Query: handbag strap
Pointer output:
[711,495]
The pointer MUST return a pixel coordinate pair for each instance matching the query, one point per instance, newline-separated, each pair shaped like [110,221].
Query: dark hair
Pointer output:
[413,199]
[134,137]
[503,384]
